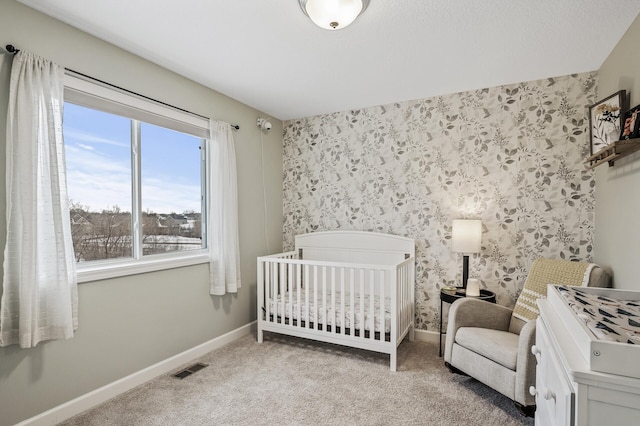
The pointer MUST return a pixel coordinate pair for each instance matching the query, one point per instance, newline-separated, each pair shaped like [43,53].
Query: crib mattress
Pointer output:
[341,318]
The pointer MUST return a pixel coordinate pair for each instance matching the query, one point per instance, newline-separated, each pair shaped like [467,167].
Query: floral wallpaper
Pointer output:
[511,156]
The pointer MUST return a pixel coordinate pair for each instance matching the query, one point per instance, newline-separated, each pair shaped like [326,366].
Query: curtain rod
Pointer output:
[12,49]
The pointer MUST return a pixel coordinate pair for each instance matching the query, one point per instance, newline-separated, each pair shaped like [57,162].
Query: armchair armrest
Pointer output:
[526,365]
[468,312]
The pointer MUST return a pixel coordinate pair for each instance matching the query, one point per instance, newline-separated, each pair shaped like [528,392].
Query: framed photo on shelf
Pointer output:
[631,123]
[605,120]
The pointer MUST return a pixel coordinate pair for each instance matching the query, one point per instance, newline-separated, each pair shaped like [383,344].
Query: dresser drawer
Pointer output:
[553,391]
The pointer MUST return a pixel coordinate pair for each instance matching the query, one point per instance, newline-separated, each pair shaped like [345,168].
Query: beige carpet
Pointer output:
[289,381]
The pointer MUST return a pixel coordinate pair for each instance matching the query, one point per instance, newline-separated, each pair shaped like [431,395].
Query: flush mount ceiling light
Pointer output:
[333,14]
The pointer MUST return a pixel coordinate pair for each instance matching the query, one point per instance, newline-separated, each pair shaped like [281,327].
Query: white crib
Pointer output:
[346,287]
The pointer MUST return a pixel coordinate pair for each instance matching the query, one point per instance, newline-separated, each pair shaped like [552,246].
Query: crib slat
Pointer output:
[382,305]
[362,322]
[260,288]
[411,278]
[281,279]
[298,288]
[275,290]
[342,310]
[372,308]
[333,298]
[267,289]
[405,296]
[401,299]
[315,297]
[324,298]
[290,291]
[352,301]
[307,317]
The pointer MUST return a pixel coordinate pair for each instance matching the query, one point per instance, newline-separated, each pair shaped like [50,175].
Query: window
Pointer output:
[136,181]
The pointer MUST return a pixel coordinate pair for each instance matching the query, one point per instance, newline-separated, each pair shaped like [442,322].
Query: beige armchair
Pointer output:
[486,342]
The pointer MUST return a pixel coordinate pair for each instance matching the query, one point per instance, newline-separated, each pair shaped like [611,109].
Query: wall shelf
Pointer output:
[614,151]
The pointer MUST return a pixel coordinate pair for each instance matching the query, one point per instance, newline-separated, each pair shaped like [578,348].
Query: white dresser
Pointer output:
[568,391]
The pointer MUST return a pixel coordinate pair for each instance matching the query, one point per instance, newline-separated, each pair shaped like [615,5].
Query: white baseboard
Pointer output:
[100,395]
[426,336]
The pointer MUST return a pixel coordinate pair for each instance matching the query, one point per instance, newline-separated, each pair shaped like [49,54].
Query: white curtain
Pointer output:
[39,286]
[222,210]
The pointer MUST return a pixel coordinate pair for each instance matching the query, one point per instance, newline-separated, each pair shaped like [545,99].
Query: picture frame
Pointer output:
[631,124]
[605,120]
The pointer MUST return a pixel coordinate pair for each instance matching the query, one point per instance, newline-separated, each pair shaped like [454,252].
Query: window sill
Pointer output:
[116,269]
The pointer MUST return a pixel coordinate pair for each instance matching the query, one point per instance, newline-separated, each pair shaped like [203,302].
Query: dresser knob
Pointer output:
[536,352]
[532,391]
[547,394]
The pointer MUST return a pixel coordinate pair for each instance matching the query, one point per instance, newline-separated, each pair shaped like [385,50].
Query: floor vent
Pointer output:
[190,370]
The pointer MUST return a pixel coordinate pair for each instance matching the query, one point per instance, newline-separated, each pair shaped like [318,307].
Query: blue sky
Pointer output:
[98,157]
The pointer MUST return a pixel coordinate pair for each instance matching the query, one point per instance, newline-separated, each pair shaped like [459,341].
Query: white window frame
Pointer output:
[102,97]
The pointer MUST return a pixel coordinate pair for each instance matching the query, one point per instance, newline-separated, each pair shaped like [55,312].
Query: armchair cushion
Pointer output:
[468,312]
[499,346]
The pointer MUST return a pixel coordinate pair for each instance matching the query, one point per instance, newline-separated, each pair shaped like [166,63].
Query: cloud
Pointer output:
[78,136]
[97,181]
[100,182]
[167,196]
[95,161]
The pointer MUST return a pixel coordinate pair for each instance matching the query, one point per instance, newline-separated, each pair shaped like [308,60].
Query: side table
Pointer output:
[450,296]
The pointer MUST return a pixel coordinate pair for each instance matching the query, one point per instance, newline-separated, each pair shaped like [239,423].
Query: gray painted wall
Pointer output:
[617,222]
[130,323]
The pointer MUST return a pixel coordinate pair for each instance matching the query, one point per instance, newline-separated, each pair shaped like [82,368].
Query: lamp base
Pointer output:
[465,271]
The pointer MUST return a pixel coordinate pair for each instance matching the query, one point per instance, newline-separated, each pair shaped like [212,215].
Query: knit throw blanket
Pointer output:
[548,271]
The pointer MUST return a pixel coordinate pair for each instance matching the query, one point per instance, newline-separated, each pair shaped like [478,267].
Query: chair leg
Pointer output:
[454,370]
[526,410]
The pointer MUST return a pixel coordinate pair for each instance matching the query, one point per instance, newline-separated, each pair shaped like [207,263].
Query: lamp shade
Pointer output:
[466,235]
[333,14]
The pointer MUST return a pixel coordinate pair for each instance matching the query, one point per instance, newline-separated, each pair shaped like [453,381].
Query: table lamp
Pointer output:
[466,238]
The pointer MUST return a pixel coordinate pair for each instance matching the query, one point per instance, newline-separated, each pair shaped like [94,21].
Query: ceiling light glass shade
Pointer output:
[333,14]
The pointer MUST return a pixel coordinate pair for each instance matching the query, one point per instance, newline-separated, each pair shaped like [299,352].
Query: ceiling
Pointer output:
[269,55]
